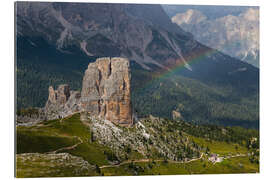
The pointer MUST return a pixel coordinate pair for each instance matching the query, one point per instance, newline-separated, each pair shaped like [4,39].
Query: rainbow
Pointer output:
[190,60]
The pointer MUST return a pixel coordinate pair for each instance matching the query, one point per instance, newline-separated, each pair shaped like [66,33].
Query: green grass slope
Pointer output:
[228,166]
[76,155]
[58,134]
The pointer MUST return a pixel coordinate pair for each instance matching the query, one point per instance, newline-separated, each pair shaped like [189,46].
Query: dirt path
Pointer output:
[125,162]
[61,119]
[148,160]
[67,148]
[158,160]
[237,155]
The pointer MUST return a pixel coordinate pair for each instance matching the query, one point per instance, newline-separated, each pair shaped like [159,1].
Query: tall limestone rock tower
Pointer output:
[106,90]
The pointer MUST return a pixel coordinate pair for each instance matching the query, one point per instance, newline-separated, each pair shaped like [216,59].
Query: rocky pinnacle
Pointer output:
[106,90]
[105,93]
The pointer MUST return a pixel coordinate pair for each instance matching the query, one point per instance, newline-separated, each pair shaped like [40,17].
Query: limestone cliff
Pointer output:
[62,102]
[105,93]
[106,90]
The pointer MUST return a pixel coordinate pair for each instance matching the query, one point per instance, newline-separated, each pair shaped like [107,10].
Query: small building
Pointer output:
[214,158]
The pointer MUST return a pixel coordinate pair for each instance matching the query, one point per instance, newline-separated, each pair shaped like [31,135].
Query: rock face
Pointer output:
[235,35]
[176,115]
[190,17]
[105,93]
[62,102]
[106,90]
[59,96]
[131,31]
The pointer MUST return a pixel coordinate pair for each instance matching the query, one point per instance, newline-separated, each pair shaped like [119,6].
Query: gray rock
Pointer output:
[62,102]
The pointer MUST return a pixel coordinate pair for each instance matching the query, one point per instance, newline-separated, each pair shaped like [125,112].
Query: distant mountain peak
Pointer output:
[235,35]
[251,14]
[191,16]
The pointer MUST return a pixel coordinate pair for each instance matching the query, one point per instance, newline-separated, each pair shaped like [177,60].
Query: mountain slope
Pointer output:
[151,146]
[211,11]
[198,102]
[56,41]
[76,24]
[237,36]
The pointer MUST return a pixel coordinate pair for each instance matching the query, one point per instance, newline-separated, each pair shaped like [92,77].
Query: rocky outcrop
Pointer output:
[30,116]
[149,135]
[105,93]
[106,90]
[60,96]
[77,165]
[62,102]
[176,115]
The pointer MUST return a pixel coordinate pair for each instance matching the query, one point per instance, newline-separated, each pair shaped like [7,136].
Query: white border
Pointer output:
[7,87]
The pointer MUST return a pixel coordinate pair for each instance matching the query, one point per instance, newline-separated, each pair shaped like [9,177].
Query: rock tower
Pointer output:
[106,90]
[105,93]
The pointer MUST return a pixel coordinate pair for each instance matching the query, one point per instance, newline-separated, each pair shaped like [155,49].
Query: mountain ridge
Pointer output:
[235,35]
[153,51]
